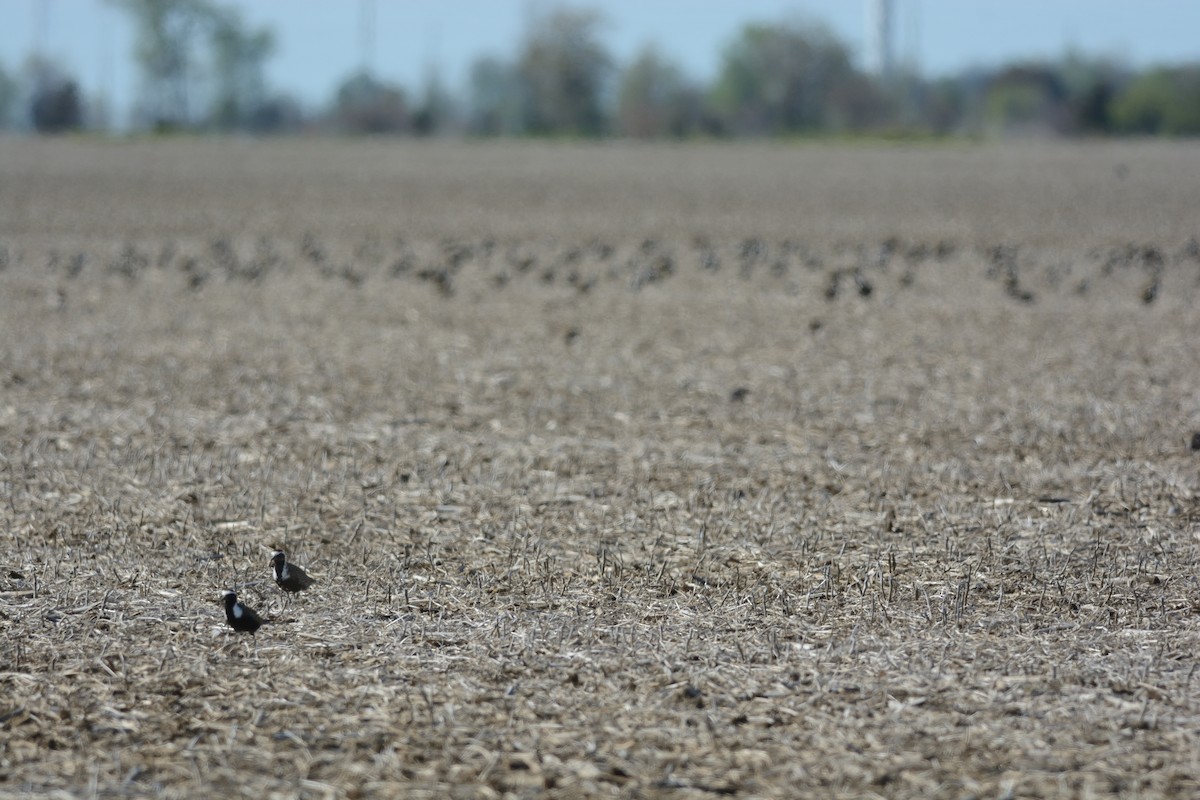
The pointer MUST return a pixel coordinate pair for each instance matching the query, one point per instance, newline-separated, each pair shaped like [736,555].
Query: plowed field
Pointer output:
[646,472]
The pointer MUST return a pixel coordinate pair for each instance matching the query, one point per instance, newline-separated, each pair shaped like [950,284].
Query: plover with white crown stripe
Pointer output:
[241,617]
[289,577]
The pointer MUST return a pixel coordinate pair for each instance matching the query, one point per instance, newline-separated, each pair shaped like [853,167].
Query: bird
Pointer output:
[240,616]
[289,577]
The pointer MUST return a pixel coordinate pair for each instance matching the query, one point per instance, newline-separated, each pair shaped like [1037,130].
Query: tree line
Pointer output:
[202,68]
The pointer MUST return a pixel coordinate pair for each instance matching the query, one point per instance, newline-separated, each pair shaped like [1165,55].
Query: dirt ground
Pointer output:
[625,471]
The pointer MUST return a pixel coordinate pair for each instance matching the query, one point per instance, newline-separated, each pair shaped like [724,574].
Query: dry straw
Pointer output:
[697,484]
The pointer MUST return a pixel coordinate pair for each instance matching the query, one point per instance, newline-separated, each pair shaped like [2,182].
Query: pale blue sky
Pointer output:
[320,40]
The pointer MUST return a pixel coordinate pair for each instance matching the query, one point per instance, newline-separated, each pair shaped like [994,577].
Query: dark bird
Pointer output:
[289,577]
[240,616]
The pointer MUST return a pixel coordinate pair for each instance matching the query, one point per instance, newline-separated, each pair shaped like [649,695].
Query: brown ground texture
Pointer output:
[625,471]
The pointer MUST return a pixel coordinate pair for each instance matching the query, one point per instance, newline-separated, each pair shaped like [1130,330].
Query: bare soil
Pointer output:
[625,471]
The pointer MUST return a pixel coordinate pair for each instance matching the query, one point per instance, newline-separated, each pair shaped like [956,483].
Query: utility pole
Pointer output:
[366,35]
[880,56]
[104,90]
[41,27]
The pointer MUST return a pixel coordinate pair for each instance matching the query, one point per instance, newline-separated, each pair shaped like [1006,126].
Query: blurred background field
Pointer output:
[1046,194]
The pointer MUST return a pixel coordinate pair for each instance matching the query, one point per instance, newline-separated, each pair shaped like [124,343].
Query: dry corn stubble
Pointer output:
[624,471]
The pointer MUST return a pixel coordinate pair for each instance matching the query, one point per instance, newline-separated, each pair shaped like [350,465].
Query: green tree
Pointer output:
[564,69]
[496,98]
[435,109]
[656,100]
[364,104]
[943,105]
[8,97]
[238,55]
[1161,101]
[1025,97]
[1091,86]
[787,78]
[168,32]
[55,102]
